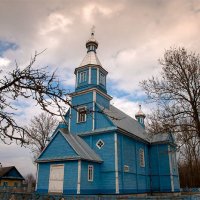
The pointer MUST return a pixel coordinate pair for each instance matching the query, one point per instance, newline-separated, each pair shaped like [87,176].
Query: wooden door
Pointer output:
[56,179]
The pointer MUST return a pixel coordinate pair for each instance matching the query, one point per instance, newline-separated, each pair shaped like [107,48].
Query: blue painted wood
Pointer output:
[94,76]
[160,168]
[43,178]
[129,156]
[101,100]
[58,148]
[82,85]
[13,173]
[101,120]
[154,176]
[94,83]
[70,177]
[90,187]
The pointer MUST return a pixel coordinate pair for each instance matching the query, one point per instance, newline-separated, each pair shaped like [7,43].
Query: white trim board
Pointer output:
[171,170]
[90,77]
[116,166]
[79,177]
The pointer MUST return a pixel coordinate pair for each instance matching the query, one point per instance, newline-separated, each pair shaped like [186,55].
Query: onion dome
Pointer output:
[140,113]
[140,116]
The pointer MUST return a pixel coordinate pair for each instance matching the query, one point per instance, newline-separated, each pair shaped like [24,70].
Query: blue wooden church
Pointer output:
[102,150]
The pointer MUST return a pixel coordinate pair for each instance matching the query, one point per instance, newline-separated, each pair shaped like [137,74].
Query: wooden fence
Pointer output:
[34,196]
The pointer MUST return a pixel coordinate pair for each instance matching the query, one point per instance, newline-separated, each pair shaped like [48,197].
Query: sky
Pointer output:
[132,36]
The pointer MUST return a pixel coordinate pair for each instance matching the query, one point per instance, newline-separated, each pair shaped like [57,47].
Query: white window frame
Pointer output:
[100,140]
[102,79]
[126,168]
[78,114]
[90,173]
[83,77]
[141,157]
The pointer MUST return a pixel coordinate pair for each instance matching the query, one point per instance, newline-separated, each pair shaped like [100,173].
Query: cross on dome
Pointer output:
[92,30]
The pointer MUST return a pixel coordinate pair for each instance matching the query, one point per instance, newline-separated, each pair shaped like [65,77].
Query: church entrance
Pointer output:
[56,178]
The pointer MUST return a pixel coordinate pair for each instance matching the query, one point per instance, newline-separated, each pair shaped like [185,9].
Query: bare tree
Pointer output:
[38,84]
[176,92]
[31,182]
[40,129]
[29,82]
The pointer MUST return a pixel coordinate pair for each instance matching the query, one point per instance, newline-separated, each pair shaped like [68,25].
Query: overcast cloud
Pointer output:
[132,35]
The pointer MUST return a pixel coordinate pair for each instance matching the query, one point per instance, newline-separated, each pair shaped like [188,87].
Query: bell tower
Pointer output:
[90,93]
[90,73]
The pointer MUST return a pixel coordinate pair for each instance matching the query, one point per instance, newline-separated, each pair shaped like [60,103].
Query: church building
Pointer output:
[100,149]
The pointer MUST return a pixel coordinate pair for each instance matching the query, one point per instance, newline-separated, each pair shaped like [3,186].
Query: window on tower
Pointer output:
[82,77]
[81,114]
[102,79]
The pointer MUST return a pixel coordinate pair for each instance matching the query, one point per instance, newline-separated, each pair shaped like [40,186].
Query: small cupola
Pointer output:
[92,44]
[140,116]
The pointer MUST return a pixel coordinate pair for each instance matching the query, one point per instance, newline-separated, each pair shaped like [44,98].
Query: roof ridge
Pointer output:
[82,147]
[79,148]
[125,122]
[123,112]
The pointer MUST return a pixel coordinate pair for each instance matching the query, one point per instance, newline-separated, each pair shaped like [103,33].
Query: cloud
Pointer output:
[132,35]
[14,155]
[90,10]
[129,107]
[55,22]
[4,62]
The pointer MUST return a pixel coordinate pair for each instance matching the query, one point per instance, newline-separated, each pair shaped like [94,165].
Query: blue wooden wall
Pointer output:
[107,168]
[90,187]
[137,179]
[58,148]
[85,85]
[81,100]
[70,177]
[13,173]
[160,168]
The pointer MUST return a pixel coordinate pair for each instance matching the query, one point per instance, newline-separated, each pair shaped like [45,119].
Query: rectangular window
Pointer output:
[82,77]
[142,159]
[15,184]
[102,79]
[90,172]
[5,184]
[81,114]
[126,168]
